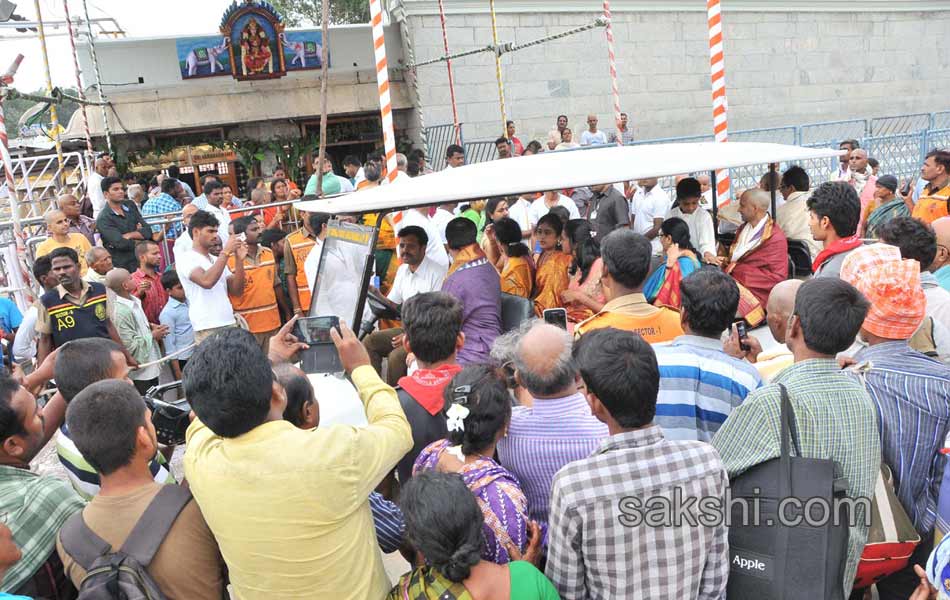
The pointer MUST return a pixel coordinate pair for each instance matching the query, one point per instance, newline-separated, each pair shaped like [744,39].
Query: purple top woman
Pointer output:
[478,411]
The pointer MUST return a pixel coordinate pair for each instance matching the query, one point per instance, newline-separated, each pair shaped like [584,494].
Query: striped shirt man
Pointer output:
[542,439]
[836,420]
[910,391]
[699,386]
[388,521]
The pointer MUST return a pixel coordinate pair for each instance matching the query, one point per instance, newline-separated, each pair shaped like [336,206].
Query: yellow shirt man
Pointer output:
[289,507]
[76,241]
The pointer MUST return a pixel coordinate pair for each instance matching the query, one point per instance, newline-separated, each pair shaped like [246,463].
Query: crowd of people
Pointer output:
[502,460]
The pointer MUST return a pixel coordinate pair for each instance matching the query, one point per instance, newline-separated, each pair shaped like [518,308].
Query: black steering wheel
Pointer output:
[379,307]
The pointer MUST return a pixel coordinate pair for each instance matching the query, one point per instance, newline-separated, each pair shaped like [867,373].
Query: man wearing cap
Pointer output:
[940,266]
[909,391]
[885,205]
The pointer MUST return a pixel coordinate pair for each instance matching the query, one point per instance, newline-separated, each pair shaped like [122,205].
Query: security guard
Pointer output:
[74,309]
[263,298]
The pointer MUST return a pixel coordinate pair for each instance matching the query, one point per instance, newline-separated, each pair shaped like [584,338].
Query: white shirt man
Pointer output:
[647,206]
[793,217]
[435,248]
[96,197]
[591,135]
[702,233]
[440,220]
[428,277]
[224,219]
[207,308]
[141,321]
[539,207]
[520,211]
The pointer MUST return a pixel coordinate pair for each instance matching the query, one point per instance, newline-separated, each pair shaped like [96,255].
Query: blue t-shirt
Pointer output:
[10,316]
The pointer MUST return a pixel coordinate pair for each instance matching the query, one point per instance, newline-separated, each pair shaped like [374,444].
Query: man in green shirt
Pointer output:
[835,416]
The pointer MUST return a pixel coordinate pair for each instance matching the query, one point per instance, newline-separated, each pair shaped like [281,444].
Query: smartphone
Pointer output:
[906,189]
[743,334]
[316,330]
[556,316]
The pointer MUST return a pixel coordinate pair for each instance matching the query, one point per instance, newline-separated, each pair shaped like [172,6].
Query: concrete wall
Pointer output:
[786,63]
[165,102]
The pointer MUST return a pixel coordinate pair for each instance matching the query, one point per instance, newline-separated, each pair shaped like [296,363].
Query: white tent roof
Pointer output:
[562,170]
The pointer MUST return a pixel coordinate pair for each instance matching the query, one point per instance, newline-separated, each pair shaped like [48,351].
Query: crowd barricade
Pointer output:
[439,138]
[482,151]
[883,126]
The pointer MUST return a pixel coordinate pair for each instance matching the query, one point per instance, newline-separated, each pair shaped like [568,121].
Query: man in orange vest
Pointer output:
[626,256]
[262,299]
[297,246]
[934,202]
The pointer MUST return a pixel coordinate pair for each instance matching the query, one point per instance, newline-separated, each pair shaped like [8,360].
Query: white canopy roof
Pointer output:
[561,170]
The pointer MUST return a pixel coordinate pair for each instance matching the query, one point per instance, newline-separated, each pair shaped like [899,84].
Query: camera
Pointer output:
[169,418]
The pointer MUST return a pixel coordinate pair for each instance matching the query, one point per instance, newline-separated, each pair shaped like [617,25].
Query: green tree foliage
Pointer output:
[302,13]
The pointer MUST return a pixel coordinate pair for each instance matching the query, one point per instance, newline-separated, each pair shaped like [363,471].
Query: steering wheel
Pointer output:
[379,307]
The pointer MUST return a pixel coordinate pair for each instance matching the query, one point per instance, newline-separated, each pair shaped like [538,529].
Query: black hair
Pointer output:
[80,363]
[208,177]
[103,422]
[416,155]
[108,182]
[352,159]
[174,172]
[252,184]
[482,391]
[64,253]
[584,247]
[620,368]
[710,300]
[42,266]
[852,143]
[831,313]
[269,237]
[299,393]
[501,140]
[915,238]
[941,157]
[443,522]
[141,248]
[797,178]
[688,188]
[678,231]
[626,257]
[460,232]
[211,186]
[553,220]
[415,231]
[200,220]
[228,383]
[509,122]
[432,322]
[170,279]
[873,162]
[241,224]
[508,234]
[168,186]
[10,422]
[453,150]
[317,220]
[559,117]
[534,146]
[561,213]
[838,201]
[273,187]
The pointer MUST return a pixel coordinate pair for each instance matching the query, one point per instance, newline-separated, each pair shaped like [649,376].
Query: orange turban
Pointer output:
[892,286]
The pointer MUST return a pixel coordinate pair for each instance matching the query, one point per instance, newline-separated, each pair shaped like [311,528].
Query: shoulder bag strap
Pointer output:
[81,543]
[154,524]
[788,435]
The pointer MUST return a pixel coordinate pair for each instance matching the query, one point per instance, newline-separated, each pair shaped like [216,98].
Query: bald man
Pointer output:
[558,427]
[780,307]
[758,259]
[183,243]
[940,267]
[57,227]
[138,335]
[592,136]
[100,263]
[78,222]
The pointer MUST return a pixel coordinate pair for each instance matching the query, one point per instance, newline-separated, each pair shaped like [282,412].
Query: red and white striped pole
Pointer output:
[717,69]
[382,81]
[448,66]
[612,62]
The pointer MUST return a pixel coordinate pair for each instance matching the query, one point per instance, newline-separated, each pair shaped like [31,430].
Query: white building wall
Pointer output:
[787,63]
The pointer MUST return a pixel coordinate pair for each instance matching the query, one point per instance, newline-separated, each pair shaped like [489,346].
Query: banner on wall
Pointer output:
[253,45]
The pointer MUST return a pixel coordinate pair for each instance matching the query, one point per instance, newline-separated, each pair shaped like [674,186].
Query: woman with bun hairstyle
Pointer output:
[478,409]
[444,526]
[517,271]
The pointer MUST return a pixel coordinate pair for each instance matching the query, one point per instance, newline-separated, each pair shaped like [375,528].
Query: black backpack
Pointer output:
[121,574]
[780,562]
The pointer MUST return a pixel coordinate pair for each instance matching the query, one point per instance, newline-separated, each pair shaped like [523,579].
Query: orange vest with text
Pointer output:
[300,245]
[663,326]
[258,303]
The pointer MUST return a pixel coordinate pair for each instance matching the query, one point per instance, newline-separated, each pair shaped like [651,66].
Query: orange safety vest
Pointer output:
[300,246]
[258,303]
[660,327]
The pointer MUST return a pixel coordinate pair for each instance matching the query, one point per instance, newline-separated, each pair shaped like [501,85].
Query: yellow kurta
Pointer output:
[290,507]
[551,279]
[517,277]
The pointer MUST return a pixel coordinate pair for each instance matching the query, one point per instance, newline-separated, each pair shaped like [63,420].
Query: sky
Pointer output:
[138,18]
